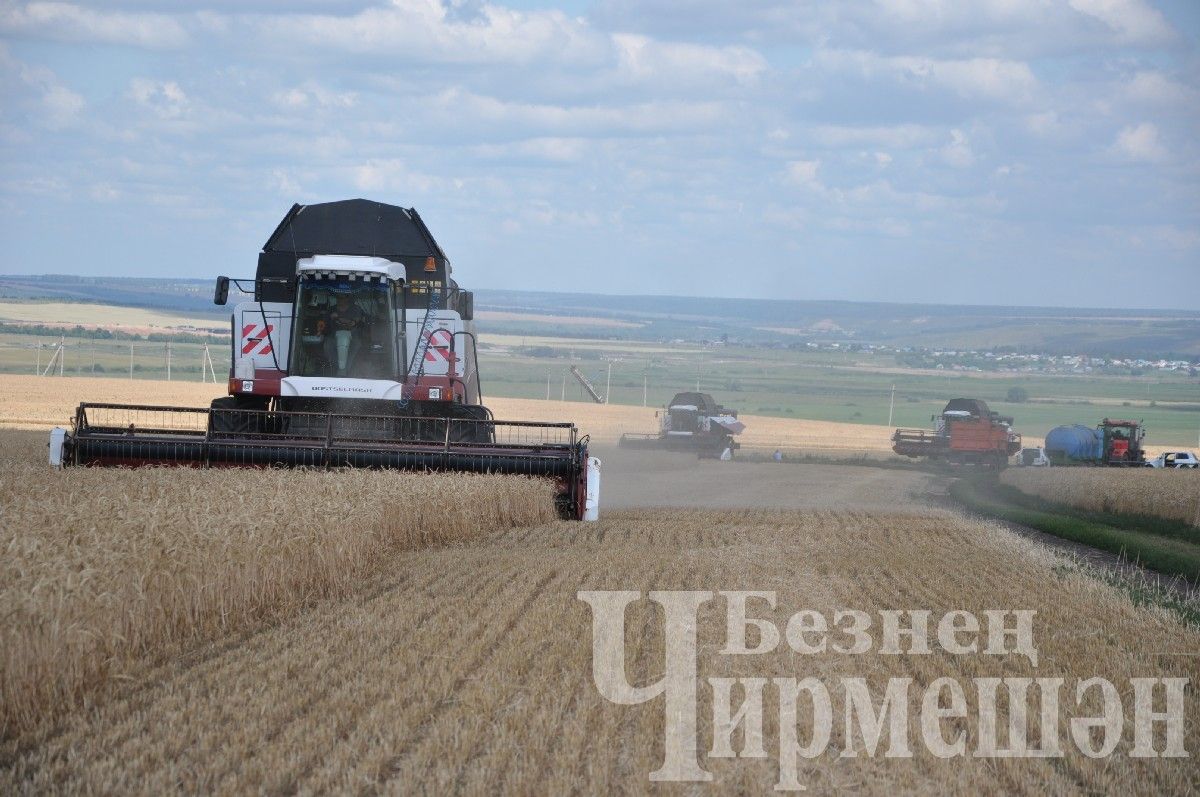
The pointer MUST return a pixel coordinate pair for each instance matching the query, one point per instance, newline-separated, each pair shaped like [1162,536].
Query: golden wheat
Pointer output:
[103,569]
[41,402]
[468,670]
[1171,494]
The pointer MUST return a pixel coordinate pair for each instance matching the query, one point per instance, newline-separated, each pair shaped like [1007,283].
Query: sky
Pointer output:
[1034,152]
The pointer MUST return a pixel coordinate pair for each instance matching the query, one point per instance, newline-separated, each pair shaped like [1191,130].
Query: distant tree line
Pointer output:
[77,331]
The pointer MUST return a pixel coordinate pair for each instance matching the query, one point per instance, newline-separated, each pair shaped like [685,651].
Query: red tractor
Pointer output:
[966,432]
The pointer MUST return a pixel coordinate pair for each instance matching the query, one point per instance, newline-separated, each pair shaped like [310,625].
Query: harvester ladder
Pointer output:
[587,385]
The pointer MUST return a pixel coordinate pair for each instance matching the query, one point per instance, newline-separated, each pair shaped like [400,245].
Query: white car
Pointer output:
[1032,458]
[1174,459]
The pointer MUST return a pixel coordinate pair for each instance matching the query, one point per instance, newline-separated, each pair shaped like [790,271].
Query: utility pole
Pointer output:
[608,383]
[93,356]
[891,405]
[55,358]
[547,386]
[206,363]
[168,361]
[37,369]
[131,361]
[62,353]
[563,397]
[643,390]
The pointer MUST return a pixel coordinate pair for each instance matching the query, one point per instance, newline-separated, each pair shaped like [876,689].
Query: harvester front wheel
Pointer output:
[238,414]
[471,423]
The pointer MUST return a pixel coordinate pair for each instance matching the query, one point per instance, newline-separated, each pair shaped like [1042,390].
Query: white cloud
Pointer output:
[1151,236]
[961,28]
[494,119]
[428,30]
[1140,143]
[1045,123]
[957,152]
[62,105]
[804,173]
[1133,20]
[164,98]
[558,150]
[585,120]
[394,175]
[546,214]
[972,78]
[314,95]
[104,192]
[57,106]
[903,136]
[643,58]
[1154,88]
[69,22]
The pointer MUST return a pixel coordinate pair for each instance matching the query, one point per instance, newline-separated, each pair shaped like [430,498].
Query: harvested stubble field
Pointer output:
[1153,492]
[468,666]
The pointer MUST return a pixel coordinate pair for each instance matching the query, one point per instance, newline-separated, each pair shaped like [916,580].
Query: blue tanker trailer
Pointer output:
[1112,442]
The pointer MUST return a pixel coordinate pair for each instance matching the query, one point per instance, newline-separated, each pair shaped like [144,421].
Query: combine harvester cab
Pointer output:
[692,422]
[966,432]
[356,350]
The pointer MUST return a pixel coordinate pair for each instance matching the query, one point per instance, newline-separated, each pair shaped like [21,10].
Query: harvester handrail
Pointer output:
[253,413]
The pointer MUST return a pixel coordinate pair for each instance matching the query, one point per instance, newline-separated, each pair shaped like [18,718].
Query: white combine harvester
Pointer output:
[357,349]
[692,422]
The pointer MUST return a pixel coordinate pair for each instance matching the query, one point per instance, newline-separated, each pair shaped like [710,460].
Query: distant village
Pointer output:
[975,360]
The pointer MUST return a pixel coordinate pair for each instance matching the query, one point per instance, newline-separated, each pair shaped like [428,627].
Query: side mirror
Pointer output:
[221,293]
[466,305]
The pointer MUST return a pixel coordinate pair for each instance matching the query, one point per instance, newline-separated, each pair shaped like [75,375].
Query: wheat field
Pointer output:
[41,402]
[171,631]
[32,402]
[468,669]
[104,570]
[1172,494]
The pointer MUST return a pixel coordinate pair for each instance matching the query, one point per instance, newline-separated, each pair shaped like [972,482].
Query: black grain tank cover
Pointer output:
[701,401]
[977,407]
[354,227]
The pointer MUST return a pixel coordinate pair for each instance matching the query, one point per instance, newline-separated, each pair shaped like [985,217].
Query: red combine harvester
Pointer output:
[355,348]
[966,433]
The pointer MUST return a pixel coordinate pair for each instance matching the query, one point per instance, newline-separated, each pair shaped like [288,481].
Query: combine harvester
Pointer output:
[966,433]
[357,350]
[692,422]
[1114,443]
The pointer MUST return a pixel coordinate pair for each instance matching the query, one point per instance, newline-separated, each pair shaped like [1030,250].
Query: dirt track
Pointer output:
[633,479]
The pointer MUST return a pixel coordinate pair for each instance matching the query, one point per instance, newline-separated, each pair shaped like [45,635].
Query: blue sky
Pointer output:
[1000,152]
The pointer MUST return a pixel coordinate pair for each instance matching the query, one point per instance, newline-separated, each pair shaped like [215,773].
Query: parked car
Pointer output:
[1174,459]
[1032,458]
